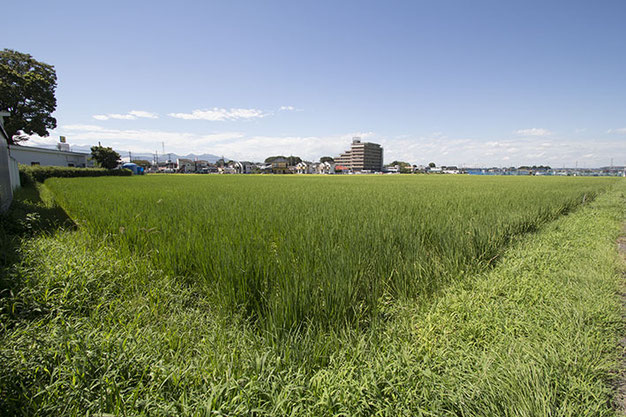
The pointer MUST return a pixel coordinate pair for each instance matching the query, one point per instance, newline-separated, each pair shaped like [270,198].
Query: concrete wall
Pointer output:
[28,155]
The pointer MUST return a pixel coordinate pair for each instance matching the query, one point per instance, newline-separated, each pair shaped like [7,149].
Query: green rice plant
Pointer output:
[85,331]
[318,250]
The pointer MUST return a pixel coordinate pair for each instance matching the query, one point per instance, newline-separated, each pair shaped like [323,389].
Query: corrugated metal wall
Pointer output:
[6,188]
[14,173]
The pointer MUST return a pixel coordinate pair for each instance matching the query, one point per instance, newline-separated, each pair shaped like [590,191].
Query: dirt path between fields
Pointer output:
[621,383]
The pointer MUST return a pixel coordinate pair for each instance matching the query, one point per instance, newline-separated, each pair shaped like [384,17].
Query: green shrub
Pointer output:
[31,174]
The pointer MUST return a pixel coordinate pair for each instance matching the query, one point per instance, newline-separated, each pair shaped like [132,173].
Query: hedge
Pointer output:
[30,174]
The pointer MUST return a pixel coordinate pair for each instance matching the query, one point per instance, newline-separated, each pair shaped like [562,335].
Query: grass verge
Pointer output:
[85,332]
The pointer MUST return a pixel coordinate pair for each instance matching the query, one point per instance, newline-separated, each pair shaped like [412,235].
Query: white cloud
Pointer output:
[287,108]
[414,149]
[512,152]
[131,115]
[257,148]
[621,130]
[144,114]
[233,145]
[136,140]
[220,114]
[533,132]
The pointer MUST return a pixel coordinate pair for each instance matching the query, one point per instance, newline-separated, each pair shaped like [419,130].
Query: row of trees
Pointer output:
[295,160]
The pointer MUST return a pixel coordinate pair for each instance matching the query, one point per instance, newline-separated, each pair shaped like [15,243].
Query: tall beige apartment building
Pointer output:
[362,156]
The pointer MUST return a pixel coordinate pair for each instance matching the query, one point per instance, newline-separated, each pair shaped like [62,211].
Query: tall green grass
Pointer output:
[320,250]
[85,331]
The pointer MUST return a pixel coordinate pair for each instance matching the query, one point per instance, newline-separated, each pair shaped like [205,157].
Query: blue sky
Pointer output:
[455,82]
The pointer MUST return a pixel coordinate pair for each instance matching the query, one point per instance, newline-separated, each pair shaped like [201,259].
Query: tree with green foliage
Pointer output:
[293,160]
[27,89]
[106,157]
[403,167]
[432,165]
[400,164]
[327,159]
[271,159]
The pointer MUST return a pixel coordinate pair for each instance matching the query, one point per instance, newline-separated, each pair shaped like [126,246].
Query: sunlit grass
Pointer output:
[322,250]
[85,331]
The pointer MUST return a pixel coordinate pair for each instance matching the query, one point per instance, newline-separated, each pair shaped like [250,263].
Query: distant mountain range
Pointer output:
[150,156]
[173,156]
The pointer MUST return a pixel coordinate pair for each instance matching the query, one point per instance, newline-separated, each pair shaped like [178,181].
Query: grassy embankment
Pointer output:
[87,329]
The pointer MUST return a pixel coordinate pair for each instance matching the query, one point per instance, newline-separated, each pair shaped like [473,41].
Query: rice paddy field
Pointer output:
[323,250]
[313,295]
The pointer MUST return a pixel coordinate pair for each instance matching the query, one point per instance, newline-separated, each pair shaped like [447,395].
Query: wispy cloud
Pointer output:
[131,115]
[146,114]
[217,114]
[287,108]
[621,130]
[502,152]
[533,132]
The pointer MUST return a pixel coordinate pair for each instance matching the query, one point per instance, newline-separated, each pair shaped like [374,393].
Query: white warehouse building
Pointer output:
[30,155]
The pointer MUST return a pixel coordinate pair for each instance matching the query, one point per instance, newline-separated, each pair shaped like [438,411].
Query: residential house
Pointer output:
[185,165]
[280,166]
[201,165]
[304,167]
[325,168]
[243,167]
[227,170]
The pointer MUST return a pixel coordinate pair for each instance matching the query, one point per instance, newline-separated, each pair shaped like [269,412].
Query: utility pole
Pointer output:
[130,157]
